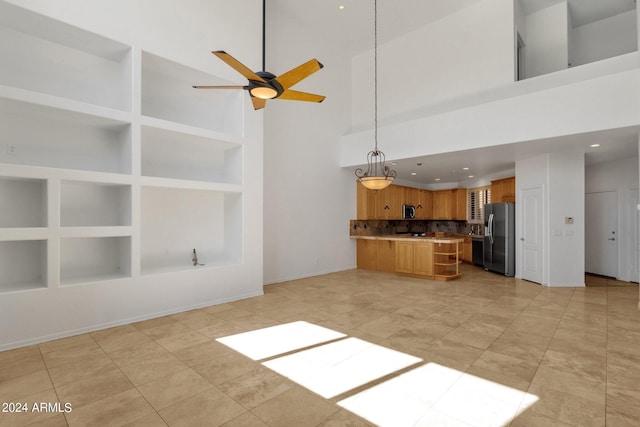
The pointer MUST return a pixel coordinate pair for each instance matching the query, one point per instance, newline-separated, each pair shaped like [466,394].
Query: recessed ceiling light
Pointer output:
[413,173]
[470,176]
[437,179]
[394,163]
[465,169]
[594,145]
[341,7]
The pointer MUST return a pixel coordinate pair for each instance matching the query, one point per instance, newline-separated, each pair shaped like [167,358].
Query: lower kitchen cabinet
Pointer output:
[367,253]
[376,255]
[467,250]
[414,258]
[385,258]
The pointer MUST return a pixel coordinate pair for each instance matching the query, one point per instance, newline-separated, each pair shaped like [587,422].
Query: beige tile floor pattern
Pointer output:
[578,349]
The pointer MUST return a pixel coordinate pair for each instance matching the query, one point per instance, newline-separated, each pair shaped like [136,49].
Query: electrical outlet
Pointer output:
[568,220]
[11,149]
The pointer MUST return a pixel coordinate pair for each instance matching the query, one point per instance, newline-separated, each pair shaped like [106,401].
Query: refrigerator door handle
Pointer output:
[491,228]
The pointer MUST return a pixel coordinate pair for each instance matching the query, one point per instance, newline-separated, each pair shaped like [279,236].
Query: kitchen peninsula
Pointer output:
[428,256]
[434,239]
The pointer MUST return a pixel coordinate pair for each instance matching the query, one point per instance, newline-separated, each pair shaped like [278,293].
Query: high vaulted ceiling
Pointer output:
[351,28]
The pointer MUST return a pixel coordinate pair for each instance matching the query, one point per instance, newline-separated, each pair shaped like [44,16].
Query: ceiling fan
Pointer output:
[264,85]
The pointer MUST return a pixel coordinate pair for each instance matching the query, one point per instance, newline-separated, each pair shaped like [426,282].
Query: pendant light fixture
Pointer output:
[378,175]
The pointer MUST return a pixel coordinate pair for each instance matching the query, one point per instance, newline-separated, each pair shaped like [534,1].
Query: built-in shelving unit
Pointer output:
[24,202]
[111,165]
[91,259]
[446,260]
[23,265]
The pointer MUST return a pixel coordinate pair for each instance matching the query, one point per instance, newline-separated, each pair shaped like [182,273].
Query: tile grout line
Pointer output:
[55,390]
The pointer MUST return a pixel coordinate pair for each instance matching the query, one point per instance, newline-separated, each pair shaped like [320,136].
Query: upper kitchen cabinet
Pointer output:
[423,202]
[366,202]
[450,204]
[380,204]
[503,190]
[459,204]
[389,202]
[442,204]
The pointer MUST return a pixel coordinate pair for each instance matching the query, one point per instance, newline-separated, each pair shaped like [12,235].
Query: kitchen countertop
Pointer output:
[408,237]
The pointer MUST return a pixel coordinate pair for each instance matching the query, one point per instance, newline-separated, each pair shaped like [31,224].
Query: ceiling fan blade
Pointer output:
[298,73]
[258,103]
[294,95]
[218,87]
[237,65]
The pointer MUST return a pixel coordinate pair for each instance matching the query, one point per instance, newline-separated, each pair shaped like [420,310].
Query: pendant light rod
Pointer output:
[375,73]
[264,20]
[378,175]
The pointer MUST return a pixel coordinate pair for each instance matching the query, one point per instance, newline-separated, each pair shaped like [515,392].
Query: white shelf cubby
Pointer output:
[208,221]
[94,259]
[85,204]
[169,154]
[23,265]
[24,202]
[47,56]
[36,135]
[168,94]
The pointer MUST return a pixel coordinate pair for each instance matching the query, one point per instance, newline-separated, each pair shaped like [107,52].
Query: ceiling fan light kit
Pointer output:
[264,85]
[378,175]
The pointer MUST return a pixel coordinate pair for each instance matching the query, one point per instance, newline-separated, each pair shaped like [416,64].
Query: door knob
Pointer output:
[522,238]
[612,238]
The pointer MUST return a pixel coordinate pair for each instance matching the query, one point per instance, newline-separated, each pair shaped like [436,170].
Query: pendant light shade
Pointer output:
[378,175]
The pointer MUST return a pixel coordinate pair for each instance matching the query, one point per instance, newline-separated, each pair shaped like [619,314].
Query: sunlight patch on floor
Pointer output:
[436,395]
[268,342]
[335,368]
[427,395]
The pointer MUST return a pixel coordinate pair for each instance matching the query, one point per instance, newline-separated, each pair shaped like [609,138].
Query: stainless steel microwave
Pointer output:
[408,211]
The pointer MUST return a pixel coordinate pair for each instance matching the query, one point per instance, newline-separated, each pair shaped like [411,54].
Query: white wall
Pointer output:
[561,176]
[547,40]
[602,39]
[184,32]
[620,176]
[566,199]
[308,198]
[530,110]
[469,51]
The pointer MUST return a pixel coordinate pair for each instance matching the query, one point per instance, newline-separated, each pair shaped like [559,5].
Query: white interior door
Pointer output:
[601,234]
[532,237]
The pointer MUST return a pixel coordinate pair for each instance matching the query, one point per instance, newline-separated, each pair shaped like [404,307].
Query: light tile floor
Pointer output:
[576,349]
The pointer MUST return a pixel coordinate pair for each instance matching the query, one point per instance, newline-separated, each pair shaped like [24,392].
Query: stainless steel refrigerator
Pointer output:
[499,254]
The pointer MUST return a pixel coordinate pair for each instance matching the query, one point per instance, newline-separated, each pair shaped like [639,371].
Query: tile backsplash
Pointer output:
[386,227]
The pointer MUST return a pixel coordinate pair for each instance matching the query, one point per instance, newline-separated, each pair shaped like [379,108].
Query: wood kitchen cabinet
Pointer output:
[446,260]
[365,202]
[376,255]
[367,254]
[414,258]
[423,201]
[389,202]
[385,258]
[450,204]
[442,202]
[380,204]
[459,204]
[404,257]
[503,190]
[467,251]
